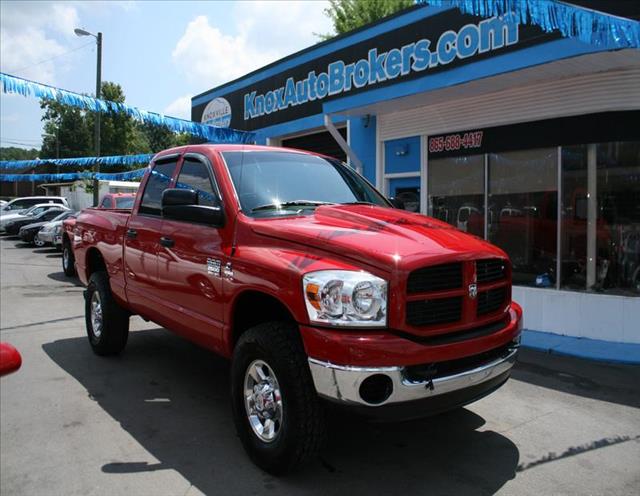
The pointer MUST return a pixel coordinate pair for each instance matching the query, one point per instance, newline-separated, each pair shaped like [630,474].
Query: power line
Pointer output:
[52,58]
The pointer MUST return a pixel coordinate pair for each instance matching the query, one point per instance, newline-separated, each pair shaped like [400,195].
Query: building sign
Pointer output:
[217,113]
[470,40]
[427,46]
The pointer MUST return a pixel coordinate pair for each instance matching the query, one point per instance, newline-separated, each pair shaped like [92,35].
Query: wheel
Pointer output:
[68,260]
[277,412]
[38,242]
[107,322]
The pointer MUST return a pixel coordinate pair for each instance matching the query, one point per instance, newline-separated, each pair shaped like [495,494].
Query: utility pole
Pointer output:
[96,167]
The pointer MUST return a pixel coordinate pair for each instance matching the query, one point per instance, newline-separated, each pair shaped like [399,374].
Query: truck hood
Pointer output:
[383,237]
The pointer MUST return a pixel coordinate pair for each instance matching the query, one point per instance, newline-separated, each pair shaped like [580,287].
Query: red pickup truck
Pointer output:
[319,291]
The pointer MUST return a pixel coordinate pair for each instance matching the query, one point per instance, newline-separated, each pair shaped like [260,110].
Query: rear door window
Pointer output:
[106,202]
[159,180]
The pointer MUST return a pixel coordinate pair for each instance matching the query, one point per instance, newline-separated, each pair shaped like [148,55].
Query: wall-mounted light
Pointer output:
[402,150]
[366,120]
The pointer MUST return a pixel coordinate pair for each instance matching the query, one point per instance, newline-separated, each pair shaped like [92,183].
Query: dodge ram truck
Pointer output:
[319,291]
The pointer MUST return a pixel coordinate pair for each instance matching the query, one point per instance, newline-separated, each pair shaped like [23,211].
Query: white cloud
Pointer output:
[180,107]
[33,32]
[261,32]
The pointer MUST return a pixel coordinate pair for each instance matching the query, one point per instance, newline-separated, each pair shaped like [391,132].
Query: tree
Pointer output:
[15,153]
[72,130]
[348,15]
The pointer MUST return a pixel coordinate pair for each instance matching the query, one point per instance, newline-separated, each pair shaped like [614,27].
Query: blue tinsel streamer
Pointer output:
[79,162]
[74,176]
[589,26]
[19,86]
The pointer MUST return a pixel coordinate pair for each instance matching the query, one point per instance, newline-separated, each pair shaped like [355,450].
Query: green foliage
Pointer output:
[15,153]
[120,134]
[348,15]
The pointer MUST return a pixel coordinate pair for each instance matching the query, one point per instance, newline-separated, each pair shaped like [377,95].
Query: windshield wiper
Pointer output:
[358,203]
[293,203]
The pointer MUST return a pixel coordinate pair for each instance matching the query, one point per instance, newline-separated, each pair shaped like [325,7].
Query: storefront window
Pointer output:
[456,192]
[523,194]
[618,233]
[573,228]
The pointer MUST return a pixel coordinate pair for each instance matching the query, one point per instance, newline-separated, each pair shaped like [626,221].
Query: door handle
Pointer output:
[131,233]
[168,242]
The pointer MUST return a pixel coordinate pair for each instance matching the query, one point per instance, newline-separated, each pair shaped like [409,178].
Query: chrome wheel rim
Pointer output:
[37,241]
[96,314]
[65,258]
[263,401]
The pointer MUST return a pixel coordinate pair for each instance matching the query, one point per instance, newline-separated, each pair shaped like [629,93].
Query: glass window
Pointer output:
[106,202]
[125,202]
[618,226]
[158,181]
[456,192]
[573,227]
[266,181]
[195,175]
[407,190]
[523,193]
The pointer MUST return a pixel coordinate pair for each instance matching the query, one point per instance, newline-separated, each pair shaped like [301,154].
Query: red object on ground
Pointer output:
[10,359]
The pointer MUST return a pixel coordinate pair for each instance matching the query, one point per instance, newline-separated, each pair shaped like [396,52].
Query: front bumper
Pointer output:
[46,236]
[354,385]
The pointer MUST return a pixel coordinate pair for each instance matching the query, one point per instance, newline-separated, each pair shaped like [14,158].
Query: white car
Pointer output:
[21,204]
[50,232]
[30,212]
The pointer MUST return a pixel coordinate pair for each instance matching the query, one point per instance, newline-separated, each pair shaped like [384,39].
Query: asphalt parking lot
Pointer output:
[156,420]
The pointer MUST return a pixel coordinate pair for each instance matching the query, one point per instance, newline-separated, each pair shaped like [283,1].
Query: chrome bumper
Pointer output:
[342,383]
[46,236]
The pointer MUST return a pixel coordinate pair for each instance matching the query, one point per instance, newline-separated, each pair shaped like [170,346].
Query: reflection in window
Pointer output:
[573,228]
[456,192]
[158,181]
[618,227]
[195,175]
[523,195]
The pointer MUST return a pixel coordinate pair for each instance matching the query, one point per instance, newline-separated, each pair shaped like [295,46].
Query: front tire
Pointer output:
[68,260]
[38,242]
[277,412]
[107,322]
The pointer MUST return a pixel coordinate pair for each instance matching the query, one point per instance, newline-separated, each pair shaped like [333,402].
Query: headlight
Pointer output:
[345,298]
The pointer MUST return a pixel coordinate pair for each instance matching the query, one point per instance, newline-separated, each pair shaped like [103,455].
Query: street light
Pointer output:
[96,167]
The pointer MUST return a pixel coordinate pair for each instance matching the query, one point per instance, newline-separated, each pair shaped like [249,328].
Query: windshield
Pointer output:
[286,183]
[62,216]
[124,202]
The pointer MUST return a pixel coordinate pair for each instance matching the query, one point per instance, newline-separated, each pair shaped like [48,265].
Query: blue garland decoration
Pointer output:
[26,88]
[74,176]
[128,160]
[589,26]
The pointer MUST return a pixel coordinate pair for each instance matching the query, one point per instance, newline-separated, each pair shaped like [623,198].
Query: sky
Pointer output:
[162,53]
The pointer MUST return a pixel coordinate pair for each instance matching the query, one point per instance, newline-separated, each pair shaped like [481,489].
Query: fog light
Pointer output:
[376,389]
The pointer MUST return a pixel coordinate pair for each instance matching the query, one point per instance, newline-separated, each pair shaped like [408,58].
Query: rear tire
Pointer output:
[298,430]
[107,322]
[68,260]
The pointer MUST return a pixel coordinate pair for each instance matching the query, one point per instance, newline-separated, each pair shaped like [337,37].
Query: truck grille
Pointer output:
[488,270]
[491,300]
[436,311]
[438,277]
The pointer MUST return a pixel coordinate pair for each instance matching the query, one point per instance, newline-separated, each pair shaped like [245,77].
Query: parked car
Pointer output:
[3,203]
[25,214]
[319,291]
[33,233]
[118,201]
[50,213]
[21,204]
[50,232]
[10,359]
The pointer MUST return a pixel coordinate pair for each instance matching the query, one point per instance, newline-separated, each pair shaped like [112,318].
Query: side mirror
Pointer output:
[397,203]
[10,359]
[182,204]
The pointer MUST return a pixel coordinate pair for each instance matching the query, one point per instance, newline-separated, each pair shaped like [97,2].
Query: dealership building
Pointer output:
[527,138]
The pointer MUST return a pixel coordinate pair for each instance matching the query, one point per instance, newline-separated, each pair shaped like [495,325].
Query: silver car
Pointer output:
[51,231]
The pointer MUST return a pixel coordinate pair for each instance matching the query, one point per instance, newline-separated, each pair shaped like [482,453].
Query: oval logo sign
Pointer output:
[217,113]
